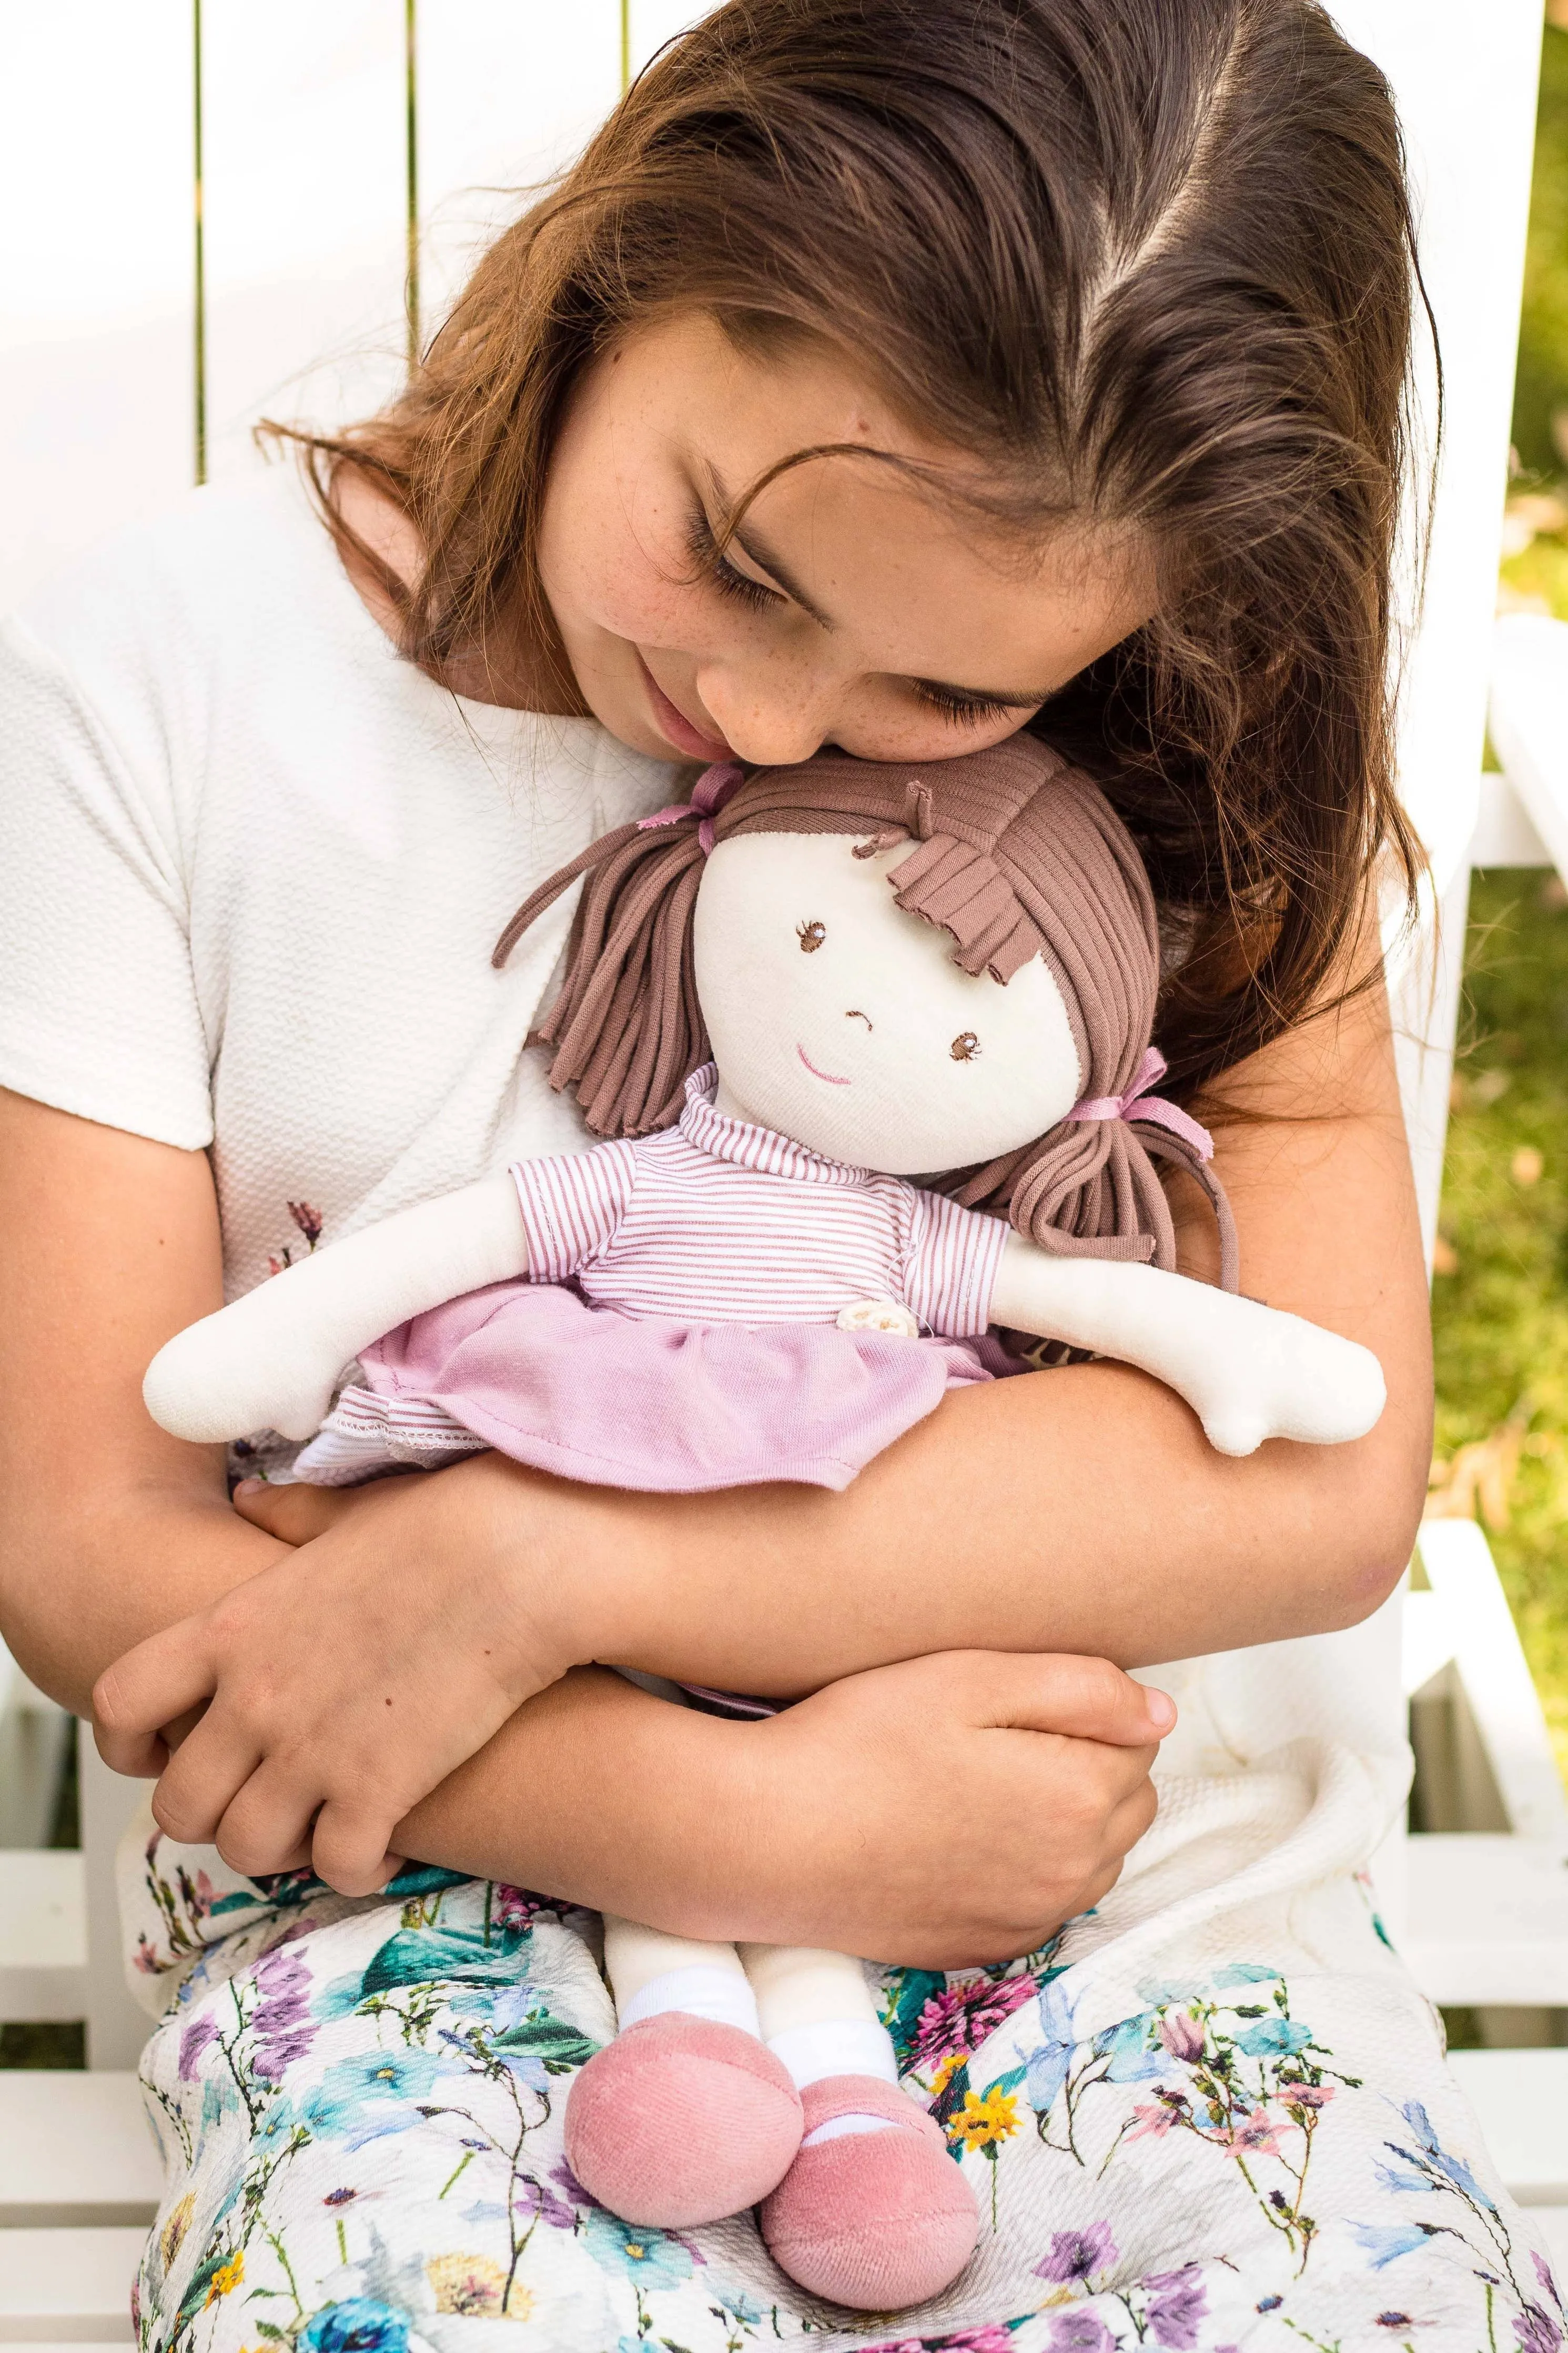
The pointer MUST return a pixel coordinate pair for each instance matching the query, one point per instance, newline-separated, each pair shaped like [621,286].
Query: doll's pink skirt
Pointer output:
[589,1393]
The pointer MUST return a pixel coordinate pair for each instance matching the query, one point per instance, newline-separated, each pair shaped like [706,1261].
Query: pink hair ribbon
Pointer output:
[1153,1110]
[713,787]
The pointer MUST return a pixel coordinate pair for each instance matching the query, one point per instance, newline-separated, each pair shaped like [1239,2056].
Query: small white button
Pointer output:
[878,1315]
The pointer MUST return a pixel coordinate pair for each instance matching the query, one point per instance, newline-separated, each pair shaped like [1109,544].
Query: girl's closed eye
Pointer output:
[713,564]
[961,710]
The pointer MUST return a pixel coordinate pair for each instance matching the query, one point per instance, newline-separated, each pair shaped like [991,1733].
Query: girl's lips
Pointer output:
[677,728]
[815,1073]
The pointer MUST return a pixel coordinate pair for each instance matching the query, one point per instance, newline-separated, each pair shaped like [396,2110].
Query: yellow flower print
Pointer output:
[475,2288]
[986,2121]
[170,2238]
[947,2071]
[227,2276]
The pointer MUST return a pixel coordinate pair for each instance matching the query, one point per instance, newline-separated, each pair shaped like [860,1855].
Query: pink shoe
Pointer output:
[874,2219]
[680,2121]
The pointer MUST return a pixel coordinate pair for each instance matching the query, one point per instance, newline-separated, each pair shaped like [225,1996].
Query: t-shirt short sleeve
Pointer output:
[951,1271]
[572,1204]
[98,1004]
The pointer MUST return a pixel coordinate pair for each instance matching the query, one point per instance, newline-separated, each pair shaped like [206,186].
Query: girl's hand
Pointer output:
[953,1810]
[946,1811]
[345,1682]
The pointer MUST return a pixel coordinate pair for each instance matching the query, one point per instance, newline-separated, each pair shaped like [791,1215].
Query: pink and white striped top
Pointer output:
[716,1221]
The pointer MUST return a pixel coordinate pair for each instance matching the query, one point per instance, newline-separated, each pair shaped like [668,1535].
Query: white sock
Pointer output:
[702,1990]
[837,2046]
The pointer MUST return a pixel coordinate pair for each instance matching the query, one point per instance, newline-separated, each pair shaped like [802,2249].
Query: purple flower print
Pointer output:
[989,2339]
[281,2023]
[1076,2255]
[1081,2332]
[1544,2273]
[309,1221]
[1535,2332]
[961,2017]
[534,2198]
[193,2043]
[1179,2303]
[1183,2036]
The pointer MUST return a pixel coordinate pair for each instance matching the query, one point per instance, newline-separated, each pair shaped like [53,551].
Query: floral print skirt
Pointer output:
[359,2106]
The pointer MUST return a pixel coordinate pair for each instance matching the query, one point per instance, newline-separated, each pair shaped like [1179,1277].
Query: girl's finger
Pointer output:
[162,1678]
[201,1779]
[140,1756]
[349,1849]
[1085,1699]
[268,1825]
[293,1514]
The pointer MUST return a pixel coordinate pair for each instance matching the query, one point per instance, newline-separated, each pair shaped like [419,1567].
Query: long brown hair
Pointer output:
[1014,855]
[1151,262]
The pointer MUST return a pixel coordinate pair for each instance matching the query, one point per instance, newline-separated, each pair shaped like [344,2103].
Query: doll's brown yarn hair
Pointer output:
[1017,855]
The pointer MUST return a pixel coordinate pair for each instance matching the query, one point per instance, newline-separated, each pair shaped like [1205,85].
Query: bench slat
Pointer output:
[75,2148]
[67,2286]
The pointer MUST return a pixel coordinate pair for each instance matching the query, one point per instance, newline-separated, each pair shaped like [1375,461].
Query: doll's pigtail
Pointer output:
[625,1028]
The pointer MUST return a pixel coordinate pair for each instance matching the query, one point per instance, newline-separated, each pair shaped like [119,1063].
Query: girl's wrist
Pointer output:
[579,1564]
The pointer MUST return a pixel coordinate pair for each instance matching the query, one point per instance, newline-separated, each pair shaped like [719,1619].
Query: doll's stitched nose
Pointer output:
[855,1014]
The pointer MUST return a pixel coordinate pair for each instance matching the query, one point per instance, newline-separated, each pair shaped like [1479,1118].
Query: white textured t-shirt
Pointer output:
[252,865]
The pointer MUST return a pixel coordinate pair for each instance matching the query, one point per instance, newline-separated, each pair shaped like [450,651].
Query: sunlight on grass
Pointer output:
[1500,1294]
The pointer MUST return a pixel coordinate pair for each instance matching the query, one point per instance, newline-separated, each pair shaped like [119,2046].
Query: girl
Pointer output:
[896,378]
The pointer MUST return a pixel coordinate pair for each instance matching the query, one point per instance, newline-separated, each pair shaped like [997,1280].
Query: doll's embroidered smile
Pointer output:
[815,1073]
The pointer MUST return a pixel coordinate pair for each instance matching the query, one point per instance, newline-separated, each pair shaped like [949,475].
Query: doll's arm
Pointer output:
[270,1361]
[1248,1372]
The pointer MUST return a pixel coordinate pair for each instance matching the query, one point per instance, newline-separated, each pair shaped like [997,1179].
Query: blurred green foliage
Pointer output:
[1542,388]
[1500,1309]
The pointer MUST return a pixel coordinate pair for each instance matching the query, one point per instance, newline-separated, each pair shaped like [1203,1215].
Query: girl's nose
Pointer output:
[771,724]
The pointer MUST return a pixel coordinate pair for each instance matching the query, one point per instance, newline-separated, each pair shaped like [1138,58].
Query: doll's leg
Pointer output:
[685,2116]
[873,2212]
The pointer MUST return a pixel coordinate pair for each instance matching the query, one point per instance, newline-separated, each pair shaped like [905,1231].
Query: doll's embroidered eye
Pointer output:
[811,936]
[965,1047]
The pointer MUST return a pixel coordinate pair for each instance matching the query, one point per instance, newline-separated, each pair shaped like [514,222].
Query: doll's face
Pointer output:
[842,1021]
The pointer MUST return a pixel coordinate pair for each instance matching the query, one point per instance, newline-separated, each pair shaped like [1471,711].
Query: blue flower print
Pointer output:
[361,2099]
[1386,2246]
[360,2324]
[651,2256]
[1127,2048]
[1399,2176]
[1275,2037]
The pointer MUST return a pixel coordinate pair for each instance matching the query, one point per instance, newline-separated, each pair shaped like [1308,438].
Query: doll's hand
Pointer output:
[1248,1372]
[343,1682]
[1266,1374]
[957,1809]
[249,1366]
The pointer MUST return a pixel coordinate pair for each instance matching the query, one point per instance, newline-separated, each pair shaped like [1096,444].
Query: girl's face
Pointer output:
[839,1019]
[849,608]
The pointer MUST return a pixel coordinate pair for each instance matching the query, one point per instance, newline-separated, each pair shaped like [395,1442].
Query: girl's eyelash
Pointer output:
[710,560]
[963,711]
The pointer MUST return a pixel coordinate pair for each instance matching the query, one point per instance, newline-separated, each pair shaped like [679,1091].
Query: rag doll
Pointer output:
[784,1001]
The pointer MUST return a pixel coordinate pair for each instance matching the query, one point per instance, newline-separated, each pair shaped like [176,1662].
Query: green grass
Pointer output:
[1500,1315]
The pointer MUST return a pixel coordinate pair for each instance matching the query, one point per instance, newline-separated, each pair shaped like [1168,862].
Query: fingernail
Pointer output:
[1162,1709]
[249,1486]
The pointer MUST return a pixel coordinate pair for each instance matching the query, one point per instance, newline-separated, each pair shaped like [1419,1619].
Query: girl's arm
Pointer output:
[1077,1510]
[110,1530]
